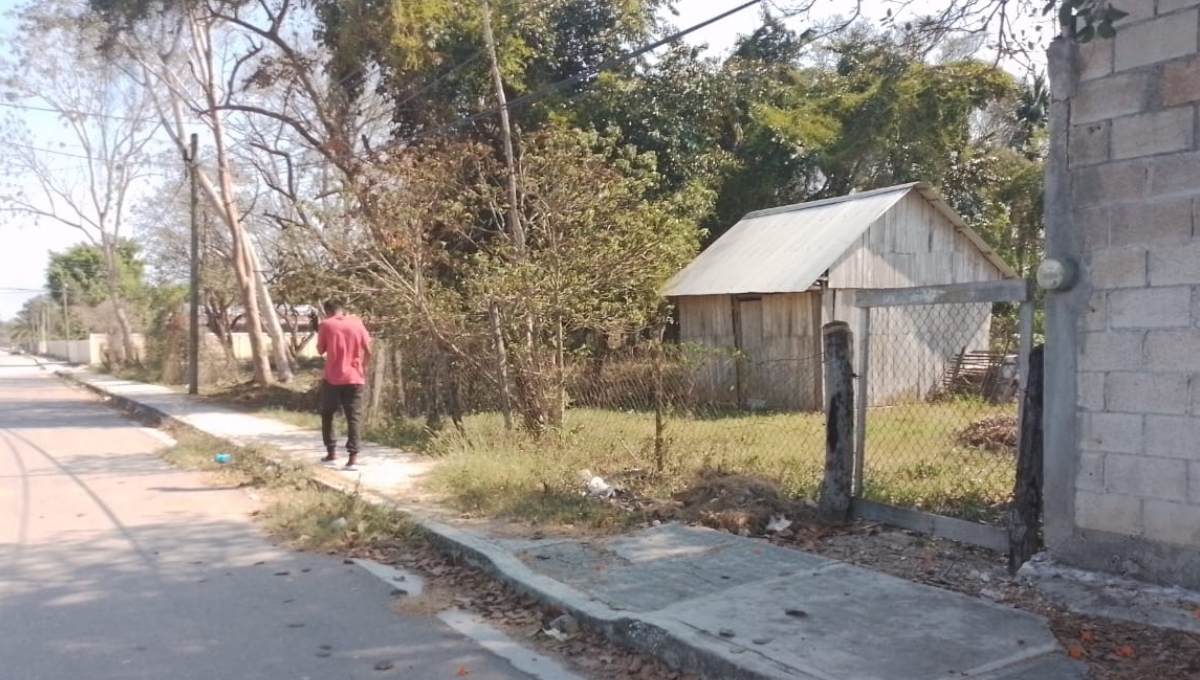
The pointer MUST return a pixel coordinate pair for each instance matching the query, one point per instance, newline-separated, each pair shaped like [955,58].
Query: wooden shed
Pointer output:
[764,290]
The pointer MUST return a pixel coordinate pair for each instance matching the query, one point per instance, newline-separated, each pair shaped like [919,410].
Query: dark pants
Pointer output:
[345,398]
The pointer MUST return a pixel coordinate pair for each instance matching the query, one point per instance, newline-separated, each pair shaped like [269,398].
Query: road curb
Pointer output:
[661,639]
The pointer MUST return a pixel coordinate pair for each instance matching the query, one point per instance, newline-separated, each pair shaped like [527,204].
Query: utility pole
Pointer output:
[190,159]
[42,348]
[66,313]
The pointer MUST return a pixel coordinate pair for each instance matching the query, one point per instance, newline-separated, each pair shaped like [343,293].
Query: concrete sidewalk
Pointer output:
[710,603]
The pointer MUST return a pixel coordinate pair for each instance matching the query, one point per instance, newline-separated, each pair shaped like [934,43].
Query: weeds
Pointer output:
[297,508]
[916,457]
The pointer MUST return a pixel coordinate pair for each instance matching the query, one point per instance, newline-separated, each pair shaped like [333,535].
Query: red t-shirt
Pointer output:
[343,340]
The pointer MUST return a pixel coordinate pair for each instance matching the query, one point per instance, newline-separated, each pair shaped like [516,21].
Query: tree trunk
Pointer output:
[279,342]
[501,364]
[222,195]
[243,272]
[113,284]
[454,391]
[530,385]
[432,389]
[560,377]
[399,398]
[376,383]
[220,325]
[660,404]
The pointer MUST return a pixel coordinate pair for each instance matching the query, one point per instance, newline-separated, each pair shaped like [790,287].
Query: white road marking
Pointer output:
[407,581]
[166,439]
[501,645]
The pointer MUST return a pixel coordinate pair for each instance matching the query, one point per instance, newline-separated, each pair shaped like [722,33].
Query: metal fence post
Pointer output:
[1024,348]
[864,368]
[839,422]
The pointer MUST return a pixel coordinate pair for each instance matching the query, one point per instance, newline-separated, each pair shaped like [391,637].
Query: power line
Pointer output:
[68,154]
[73,112]
[607,65]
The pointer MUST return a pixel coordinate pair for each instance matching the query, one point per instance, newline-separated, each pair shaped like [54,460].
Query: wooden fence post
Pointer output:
[839,422]
[1025,517]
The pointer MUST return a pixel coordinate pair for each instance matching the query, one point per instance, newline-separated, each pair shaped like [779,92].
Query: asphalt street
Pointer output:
[116,566]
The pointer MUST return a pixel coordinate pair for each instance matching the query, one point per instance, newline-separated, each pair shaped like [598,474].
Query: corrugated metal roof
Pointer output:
[785,250]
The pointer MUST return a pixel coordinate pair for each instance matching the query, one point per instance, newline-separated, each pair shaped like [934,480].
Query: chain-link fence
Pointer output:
[939,409]
[660,409]
[687,408]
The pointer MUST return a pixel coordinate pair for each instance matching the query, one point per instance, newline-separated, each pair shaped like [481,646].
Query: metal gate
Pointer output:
[939,400]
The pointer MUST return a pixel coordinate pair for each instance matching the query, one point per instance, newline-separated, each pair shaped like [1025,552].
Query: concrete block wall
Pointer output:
[91,351]
[1123,345]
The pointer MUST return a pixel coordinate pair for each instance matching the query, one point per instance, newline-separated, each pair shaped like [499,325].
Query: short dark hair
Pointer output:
[333,307]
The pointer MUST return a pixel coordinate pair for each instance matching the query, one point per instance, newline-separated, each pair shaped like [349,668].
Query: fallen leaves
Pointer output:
[1088,637]
[550,631]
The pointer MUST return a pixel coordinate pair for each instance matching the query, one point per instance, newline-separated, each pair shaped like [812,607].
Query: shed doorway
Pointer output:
[748,334]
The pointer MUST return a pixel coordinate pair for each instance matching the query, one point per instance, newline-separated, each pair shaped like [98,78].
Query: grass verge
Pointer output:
[915,456]
[297,508]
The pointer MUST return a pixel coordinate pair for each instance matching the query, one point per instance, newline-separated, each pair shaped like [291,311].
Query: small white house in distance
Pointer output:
[766,287]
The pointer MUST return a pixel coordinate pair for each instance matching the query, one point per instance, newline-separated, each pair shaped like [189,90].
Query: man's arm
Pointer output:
[321,336]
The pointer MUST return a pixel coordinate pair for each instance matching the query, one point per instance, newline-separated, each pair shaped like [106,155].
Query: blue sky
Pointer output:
[27,246]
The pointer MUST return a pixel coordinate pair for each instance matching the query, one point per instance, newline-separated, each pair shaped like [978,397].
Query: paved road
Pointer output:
[114,566]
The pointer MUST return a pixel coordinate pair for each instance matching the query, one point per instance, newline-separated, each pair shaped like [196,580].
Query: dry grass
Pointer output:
[916,455]
[307,515]
[914,458]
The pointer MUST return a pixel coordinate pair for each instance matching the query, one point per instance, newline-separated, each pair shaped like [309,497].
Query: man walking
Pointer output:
[346,344]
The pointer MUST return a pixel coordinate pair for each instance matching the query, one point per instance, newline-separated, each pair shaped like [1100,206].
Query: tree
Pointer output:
[81,271]
[177,52]
[600,245]
[110,122]
[163,225]
[38,319]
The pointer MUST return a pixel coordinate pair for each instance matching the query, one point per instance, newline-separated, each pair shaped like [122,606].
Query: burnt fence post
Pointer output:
[839,423]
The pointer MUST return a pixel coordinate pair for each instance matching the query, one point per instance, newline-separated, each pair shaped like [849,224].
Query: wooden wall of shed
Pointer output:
[912,348]
[913,244]
[785,374]
[707,321]
[780,341]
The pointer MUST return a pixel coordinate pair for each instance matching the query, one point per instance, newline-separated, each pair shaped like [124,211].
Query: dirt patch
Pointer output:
[739,504]
[301,396]
[995,433]
[1126,651]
